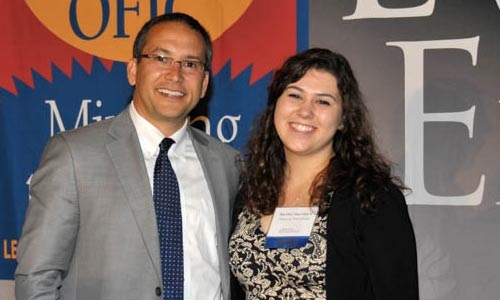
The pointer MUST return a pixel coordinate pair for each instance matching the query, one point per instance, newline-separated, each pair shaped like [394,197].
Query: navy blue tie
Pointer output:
[167,202]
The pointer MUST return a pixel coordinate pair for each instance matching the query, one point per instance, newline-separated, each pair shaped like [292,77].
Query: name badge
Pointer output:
[291,227]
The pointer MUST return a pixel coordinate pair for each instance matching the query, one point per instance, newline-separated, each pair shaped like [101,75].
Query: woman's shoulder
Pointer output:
[390,195]
[388,199]
[388,217]
[387,191]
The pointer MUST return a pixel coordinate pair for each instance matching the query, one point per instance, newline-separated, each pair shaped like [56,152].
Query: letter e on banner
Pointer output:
[415,117]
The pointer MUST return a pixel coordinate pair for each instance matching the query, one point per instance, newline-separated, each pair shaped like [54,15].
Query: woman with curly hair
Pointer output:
[313,149]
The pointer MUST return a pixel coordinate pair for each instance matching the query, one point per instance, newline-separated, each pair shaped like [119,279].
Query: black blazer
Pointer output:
[369,256]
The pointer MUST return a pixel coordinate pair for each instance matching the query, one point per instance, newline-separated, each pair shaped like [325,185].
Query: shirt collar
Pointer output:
[150,137]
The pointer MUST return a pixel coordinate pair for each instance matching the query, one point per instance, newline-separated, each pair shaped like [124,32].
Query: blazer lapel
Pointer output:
[125,152]
[213,168]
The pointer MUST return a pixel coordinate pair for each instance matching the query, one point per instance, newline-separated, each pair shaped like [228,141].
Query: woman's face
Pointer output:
[308,113]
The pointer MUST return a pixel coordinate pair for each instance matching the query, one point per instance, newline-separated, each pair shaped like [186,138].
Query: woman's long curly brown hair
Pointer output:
[356,165]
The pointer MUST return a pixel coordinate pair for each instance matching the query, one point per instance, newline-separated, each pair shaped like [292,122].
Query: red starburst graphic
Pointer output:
[27,46]
[263,37]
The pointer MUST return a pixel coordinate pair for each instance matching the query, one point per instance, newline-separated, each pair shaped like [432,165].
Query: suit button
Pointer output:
[158,291]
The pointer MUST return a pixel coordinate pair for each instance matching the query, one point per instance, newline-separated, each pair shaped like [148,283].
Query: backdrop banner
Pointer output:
[429,72]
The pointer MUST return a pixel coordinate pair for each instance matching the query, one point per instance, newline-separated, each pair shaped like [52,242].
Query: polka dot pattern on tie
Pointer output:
[167,203]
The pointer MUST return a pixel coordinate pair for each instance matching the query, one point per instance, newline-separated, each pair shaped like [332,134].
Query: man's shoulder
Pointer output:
[87,133]
[95,129]
[93,134]
[211,142]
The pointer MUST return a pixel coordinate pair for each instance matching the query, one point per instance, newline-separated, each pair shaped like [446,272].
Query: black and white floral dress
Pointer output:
[279,273]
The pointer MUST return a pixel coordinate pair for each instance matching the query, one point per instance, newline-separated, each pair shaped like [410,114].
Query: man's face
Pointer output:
[165,95]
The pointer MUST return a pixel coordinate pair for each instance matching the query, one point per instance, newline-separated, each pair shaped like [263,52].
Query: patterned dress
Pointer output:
[278,273]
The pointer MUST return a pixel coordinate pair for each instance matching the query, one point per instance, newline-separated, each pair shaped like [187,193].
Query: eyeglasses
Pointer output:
[186,66]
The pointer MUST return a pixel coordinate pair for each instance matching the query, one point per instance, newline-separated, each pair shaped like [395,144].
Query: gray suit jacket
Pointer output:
[90,229]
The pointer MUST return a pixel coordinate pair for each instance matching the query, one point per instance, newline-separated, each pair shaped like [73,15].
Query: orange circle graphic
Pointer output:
[103,29]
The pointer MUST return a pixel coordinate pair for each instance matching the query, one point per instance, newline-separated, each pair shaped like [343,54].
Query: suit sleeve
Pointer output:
[388,244]
[50,229]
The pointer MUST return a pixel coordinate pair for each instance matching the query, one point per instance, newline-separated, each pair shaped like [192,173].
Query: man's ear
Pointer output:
[132,71]
[204,87]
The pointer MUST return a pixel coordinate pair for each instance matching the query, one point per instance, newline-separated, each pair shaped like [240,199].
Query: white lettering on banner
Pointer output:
[498,3]
[29,180]
[415,117]
[371,9]
[28,184]
[83,115]
[233,120]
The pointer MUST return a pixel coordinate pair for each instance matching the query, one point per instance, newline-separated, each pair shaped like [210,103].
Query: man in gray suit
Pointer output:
[91,228]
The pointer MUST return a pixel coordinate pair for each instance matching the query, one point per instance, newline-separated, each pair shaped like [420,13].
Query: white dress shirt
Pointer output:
[201,263]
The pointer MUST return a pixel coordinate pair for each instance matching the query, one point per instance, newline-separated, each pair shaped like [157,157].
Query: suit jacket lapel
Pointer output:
[213,168]
[125,152]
